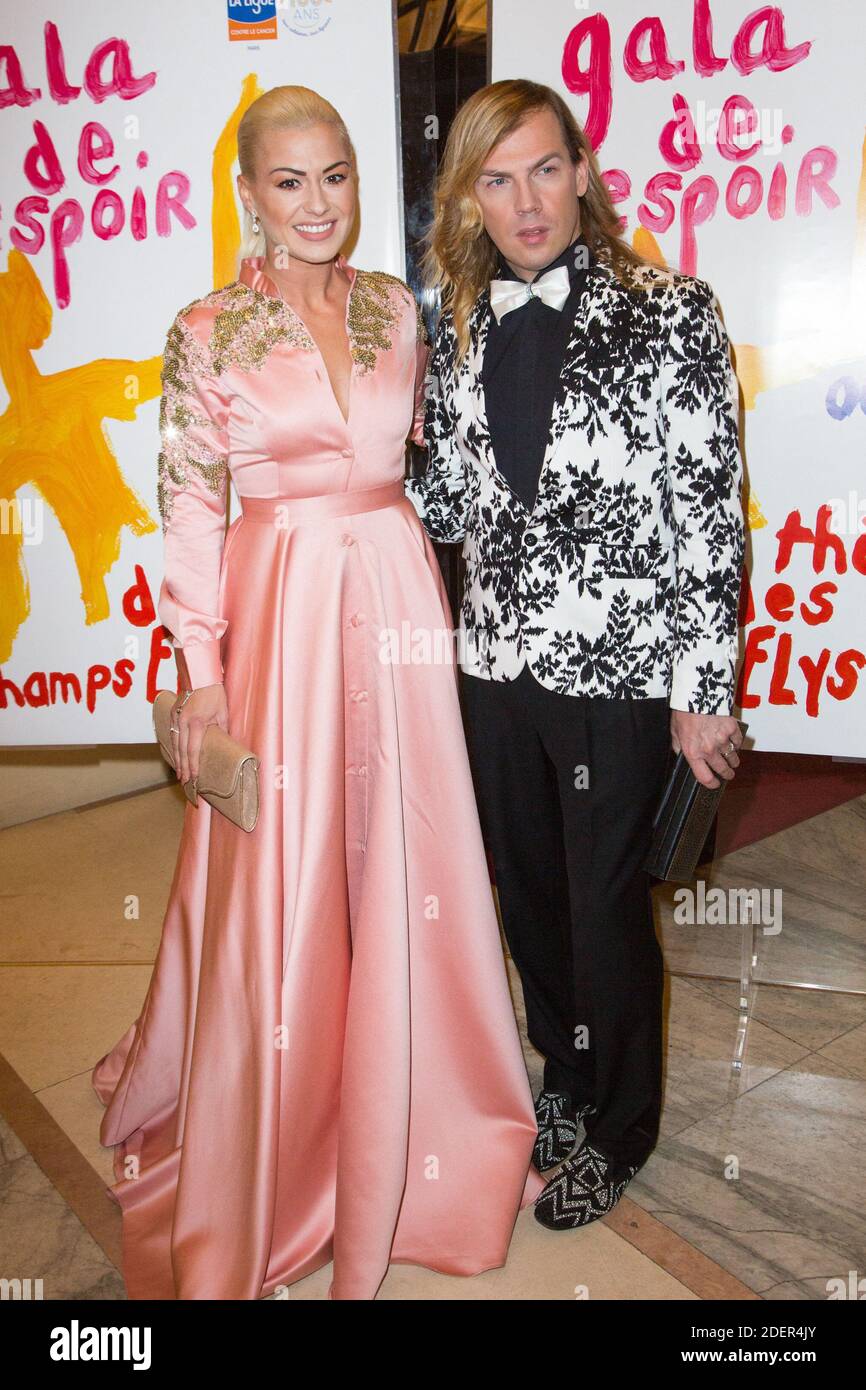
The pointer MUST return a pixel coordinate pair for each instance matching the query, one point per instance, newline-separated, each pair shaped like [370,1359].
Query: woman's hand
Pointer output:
[190,716]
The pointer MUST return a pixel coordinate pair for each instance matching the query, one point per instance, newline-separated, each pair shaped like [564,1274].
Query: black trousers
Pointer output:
[567,787]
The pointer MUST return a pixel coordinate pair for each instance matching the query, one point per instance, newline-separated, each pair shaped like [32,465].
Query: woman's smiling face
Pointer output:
[304,192]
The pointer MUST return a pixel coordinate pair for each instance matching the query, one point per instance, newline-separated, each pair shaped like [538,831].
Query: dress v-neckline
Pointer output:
[292,310]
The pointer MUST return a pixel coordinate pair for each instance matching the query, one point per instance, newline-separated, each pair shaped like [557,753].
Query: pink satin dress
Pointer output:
[326,1065]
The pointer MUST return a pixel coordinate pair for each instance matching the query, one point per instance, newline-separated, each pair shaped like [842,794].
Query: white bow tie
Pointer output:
[553,288]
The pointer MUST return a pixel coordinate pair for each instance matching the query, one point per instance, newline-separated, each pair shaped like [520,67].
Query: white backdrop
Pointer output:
[65,369]
[792,286]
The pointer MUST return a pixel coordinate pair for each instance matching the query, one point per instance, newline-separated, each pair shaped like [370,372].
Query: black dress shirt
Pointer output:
[522,362]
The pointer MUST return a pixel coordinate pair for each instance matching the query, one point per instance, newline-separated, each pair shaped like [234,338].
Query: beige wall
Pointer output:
[39,781]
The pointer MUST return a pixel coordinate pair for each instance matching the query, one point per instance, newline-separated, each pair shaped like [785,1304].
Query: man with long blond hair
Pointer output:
[581,422]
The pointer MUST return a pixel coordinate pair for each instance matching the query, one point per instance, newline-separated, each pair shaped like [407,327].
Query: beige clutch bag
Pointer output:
[228,772]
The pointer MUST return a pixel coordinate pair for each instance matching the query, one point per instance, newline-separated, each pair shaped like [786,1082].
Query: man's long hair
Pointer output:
[460,257]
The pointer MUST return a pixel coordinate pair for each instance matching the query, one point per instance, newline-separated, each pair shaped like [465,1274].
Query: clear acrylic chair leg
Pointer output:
[748,987]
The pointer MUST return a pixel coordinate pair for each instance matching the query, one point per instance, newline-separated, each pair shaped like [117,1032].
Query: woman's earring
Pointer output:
[256,227]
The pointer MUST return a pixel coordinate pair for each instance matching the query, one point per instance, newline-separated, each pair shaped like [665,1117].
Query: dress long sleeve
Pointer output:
[193,474]
[422,359]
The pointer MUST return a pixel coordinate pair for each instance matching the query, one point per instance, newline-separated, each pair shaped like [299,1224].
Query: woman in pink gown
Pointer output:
[326,1065]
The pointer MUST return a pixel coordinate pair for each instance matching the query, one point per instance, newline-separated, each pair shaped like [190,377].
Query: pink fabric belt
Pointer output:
[328,504]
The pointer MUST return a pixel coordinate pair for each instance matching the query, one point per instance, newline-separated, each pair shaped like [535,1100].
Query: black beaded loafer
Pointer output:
[557,1129]
[583,1190]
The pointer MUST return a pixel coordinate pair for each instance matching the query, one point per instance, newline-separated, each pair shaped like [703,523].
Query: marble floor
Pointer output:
[753,1192]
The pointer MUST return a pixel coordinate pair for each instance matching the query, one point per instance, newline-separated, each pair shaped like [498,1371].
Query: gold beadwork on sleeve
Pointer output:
[249,326]
[422,333]
[182,428]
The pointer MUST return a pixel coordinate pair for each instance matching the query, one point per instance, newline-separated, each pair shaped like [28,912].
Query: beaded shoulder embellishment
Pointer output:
[420,326]
[249,325]
[372,312]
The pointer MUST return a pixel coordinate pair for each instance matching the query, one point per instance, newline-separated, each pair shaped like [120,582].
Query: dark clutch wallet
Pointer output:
[682,823]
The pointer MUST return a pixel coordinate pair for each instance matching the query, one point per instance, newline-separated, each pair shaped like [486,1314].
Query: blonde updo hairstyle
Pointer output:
[281,108]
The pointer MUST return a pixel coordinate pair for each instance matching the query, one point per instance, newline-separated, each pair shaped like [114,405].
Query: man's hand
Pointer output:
[706,741]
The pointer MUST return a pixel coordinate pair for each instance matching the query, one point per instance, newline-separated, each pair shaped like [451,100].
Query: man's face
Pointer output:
[528,192]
